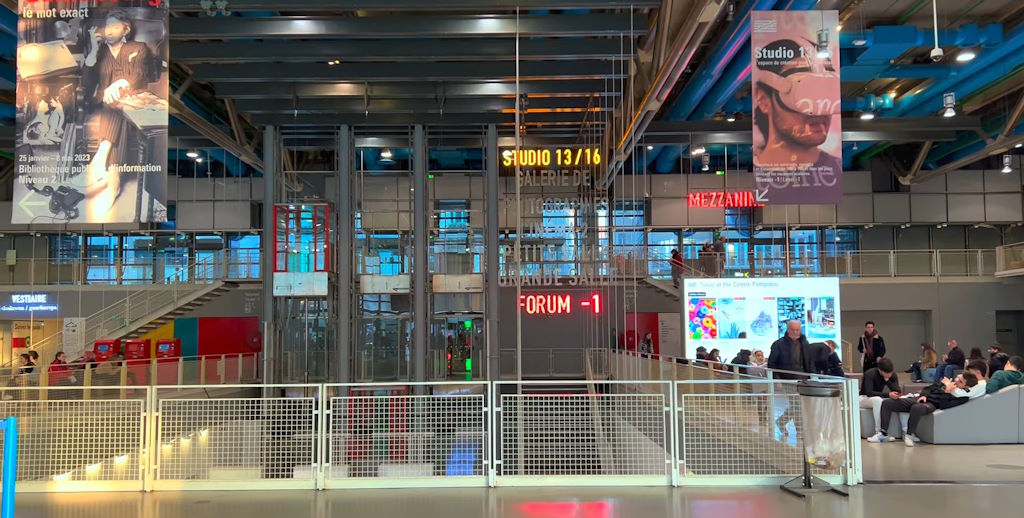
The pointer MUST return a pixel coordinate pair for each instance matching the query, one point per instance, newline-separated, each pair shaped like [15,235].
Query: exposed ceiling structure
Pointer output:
[648,75]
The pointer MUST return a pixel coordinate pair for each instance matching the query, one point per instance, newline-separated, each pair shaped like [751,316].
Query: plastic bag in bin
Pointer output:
[823,433]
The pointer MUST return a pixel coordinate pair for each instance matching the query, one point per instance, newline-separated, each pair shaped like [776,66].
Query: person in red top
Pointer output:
[677,267]
[59,372]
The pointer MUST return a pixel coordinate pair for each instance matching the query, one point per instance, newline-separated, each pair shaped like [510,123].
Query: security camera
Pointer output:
[936,54]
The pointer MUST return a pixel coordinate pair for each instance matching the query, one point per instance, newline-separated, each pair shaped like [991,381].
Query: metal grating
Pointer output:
[388,434]
[74,440]
[583,434]
[237,439]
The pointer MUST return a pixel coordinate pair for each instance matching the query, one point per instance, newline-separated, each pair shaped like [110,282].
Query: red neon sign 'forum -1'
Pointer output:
[559,304]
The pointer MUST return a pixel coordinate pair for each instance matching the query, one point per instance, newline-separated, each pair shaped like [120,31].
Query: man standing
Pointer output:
[871,346]
[951,361]
[791,353]
[880,384]
[676,262]
[719,254]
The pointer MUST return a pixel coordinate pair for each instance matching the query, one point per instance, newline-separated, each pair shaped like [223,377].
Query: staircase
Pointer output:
[558,436]
[144,310]
[663,287]
[204,297]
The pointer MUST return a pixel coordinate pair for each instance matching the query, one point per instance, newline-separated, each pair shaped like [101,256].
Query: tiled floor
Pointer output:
[894,462]
[865,502]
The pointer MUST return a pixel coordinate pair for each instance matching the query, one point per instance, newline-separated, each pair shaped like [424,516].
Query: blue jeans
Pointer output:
[943,370]
[915,371]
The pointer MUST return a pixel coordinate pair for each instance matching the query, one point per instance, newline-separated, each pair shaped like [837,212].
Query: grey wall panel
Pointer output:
[739,181]
[1003,208]
[780,214]
[668,186]
[669,212]
[998,181]
[892,207]
[707,217]
[935,184]
[195,189]
[195,215]
[818,214]
[966,208]
[706,182]
[966,181]
[928,208]
[232,214]
[856,182]
[903,331]
[856,208]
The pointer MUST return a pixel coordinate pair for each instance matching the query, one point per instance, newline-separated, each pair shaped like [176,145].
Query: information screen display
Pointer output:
[734,314]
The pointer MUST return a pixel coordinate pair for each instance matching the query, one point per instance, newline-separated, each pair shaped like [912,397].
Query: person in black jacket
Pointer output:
[934,397]
[997,359]
[791,353]
[871,346]
[951,361]
[880,384]
[826,359]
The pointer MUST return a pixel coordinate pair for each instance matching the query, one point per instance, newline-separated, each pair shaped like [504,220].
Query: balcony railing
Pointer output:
[1010,260]
[226,265]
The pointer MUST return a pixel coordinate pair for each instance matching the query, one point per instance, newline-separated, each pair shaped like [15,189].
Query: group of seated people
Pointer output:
[929,368]
[881,392]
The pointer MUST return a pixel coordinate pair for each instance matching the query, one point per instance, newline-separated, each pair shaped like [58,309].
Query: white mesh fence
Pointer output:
[740,429]
[237,440]
[67,440]
[378,435]
[554,432]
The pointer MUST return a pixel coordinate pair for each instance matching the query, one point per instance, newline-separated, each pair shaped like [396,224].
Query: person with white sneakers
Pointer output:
[880,384]
[937,396]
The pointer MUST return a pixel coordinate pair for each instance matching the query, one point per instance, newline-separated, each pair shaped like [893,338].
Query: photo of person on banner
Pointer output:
[797,108]
[92,114]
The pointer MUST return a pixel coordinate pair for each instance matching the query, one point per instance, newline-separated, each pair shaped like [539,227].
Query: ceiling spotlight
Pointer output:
[949,102]
[192,154]
[650,148]
[386,154]
[866,116]
[698,150]
[334,62]
[839,27]
[1007,163]
[734,117]
[1019,145]
[730,11]
[719,116]
[199,160]
[823,52]
[860,42]
[893,94]
[966,55]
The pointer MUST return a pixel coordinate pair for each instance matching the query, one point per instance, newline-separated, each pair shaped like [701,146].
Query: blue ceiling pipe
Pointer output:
[736,37]
[985,68]
[721,86]
[8,21]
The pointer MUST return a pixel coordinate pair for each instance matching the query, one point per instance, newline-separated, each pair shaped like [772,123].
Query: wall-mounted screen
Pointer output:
[734,314]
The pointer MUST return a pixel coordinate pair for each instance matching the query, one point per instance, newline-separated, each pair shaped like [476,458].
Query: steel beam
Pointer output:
[329,6]
[185,114]
[405,26]
[375,106]
[421,291]
[533,89]
[1013,119]
[402,119]
[189,52]
[416,72]
[344,253]
[270,174]
[937,129]
[493,367]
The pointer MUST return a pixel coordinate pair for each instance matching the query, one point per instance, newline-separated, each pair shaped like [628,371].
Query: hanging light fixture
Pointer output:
[698,150]
[192,154]
[966,55]
[1007,163]
[731,117]
[386,154]
[866,116]
[949,101]
[823,52]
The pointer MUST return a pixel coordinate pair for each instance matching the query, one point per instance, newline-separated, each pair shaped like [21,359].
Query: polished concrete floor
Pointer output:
[870,501]
[894,462]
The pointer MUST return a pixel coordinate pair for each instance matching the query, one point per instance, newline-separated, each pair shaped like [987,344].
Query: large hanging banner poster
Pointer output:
[797,107]
[91,131]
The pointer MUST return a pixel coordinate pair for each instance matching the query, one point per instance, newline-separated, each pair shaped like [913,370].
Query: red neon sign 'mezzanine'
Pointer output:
[722,200]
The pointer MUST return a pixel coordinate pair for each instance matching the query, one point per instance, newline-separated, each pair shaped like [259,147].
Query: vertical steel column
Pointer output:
[343,251]
[491,246]
[420,267]
[271,171]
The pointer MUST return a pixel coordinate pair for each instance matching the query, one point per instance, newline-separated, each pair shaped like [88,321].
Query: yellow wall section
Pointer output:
[164,331]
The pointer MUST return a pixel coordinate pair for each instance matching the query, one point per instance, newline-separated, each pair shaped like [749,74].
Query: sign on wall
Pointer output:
[72,335]
[91,122]
[797,107]
[35,303]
